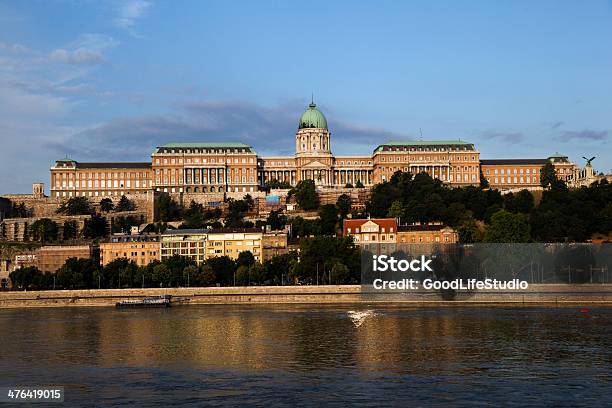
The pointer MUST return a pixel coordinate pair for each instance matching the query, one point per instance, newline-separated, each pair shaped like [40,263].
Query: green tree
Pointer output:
[223,268]
[548,175]
[20,211]
[119,273]
[245,258]
[75,206]
[43,230]
[348,185]
[95,227]
[71,229]
[206,276]
[125,204]
[328,215]
[249,201]
[359,184]
[521,202]
[306,195]
[508,227]
[77,273]
[106,205]
[167,208]
[344,205]
[339,272]
[396,210]
[468,231]
[191,275]
[243,276]
[276,219]
[176,265]
[162,275]
[236,211]
[274,269]
[29,277]
[270,184]
[193,217]
[484,183]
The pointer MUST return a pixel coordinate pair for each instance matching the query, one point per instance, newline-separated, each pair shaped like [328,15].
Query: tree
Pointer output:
[119,273]
[77,273]
[106,205]
[306,195]
[359,184]
[339,272]
[245,258]
[469,232]
[348,185]
[190,274]
[167,208]
[344,205]
[124,224]
[270,184]
[193,217]
[508,227]
[396,210]
[75,206]
[95,227]
[29,277]
[162,275]
[484,183]
[249,201]
[243,277]
[206,276]
[302,227]
[43,230]
[521,202]
[71,229]
[273,269]
[223,268]
[176,265]
[125,204]
[328,215]
[236,211]
[548,175]
[276,220]
[20,211]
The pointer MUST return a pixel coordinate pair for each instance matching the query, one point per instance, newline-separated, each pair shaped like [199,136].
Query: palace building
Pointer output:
[236,168]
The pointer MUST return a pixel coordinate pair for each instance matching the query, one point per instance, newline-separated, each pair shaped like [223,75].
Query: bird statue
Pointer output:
[589,160]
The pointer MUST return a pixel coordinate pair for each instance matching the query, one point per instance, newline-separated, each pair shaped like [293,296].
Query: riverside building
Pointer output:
[213,167]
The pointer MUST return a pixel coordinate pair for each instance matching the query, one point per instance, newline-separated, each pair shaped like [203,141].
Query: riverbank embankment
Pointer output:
[537,294]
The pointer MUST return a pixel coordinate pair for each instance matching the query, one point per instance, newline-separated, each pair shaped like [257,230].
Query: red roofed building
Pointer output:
[371,231]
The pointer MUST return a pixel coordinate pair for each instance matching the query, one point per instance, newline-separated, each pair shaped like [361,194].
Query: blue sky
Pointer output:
[108,81]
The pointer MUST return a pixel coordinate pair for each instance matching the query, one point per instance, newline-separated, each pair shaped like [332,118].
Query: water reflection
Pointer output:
[293,345]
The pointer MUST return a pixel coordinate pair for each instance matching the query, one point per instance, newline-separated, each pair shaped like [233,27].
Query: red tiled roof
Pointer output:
[386,223]
[411,228]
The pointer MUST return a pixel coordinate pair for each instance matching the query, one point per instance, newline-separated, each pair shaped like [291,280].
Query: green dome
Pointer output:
[312,118]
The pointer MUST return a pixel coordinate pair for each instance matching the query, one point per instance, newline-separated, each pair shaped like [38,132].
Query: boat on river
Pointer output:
[151,301]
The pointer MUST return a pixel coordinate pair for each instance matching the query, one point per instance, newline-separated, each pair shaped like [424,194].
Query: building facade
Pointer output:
[212,167]
[387,231]
[202,244]
[139,248]
[512,174]
[371,231]
[52,257]
[426,234]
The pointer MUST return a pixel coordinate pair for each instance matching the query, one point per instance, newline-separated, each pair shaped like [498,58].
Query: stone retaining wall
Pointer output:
[535,295]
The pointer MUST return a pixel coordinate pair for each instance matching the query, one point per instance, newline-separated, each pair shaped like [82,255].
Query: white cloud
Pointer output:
[88,49]
[128,12]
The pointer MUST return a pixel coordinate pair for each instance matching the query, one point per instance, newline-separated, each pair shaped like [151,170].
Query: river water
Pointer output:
[312,355]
